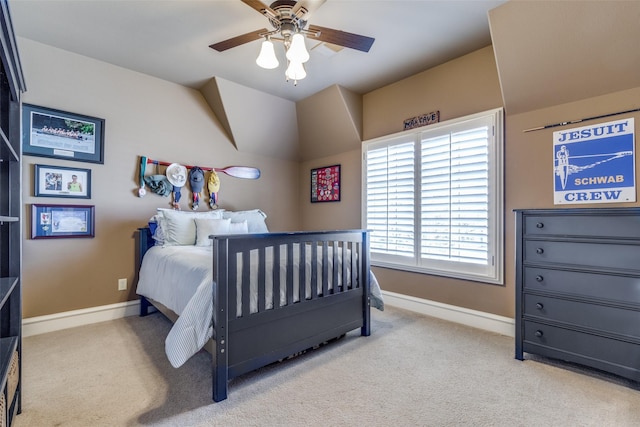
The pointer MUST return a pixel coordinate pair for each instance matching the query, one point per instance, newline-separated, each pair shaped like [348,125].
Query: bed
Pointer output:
[256,297]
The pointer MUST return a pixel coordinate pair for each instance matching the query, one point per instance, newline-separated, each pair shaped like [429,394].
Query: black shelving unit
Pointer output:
[11,88]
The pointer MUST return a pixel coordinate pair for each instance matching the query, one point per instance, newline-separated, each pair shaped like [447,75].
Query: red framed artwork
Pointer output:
[325,184]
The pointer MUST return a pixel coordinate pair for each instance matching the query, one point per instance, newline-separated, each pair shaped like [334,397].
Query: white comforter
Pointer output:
[181,278]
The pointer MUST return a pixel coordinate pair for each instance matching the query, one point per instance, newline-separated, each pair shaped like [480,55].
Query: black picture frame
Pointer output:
[59,181]
[47,132]
[62,221]
[325,184]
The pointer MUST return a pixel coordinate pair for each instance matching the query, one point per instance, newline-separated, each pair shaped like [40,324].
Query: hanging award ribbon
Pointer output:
[143,165]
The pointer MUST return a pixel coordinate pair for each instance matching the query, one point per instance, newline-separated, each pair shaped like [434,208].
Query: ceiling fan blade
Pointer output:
[260,7]
[341,38]
[238,40]
[304,8]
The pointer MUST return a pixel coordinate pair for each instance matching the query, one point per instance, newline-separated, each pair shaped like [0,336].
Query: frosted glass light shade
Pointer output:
[297,51]
[295,71]
[267,57]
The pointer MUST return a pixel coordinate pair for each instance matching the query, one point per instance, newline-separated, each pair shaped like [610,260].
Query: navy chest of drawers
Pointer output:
[578,287]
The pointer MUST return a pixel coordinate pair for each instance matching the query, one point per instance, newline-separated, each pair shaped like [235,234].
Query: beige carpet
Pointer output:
[412,371]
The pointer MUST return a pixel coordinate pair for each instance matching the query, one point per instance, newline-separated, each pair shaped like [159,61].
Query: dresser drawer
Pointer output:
[590,285]
[594,255]
[610,226]
[602,318]
[593,350]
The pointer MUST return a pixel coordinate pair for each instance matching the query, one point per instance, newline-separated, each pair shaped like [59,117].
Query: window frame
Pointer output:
[493,272]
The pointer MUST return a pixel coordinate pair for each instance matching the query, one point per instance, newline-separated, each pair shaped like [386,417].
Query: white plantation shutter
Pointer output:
[390,192]
[433,198]
[455,206]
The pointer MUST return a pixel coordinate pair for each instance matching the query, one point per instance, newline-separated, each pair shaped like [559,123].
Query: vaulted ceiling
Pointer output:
[170,39]
[547,53]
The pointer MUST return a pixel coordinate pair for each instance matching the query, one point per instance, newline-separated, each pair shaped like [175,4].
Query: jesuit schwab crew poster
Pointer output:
[595,164]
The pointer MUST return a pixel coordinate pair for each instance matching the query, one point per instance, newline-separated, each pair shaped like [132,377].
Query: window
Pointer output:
[433,198]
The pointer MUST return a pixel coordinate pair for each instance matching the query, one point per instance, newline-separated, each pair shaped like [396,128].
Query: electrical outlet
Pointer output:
[122,284]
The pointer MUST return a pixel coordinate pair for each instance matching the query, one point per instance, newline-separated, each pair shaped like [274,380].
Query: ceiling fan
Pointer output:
[288,19]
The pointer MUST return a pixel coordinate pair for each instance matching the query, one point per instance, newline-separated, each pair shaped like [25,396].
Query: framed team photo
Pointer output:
[47,132]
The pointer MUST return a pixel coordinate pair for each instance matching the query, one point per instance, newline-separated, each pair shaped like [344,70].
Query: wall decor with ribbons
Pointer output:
[177,175]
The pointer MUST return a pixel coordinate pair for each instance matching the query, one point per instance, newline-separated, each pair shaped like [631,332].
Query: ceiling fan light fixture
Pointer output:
[267,57]
[297,52]
[289,21]
[295,71]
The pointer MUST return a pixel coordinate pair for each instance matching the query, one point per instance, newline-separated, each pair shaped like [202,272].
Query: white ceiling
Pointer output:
[170,39]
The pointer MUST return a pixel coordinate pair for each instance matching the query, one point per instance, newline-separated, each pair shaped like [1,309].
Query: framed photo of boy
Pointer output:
[58,181]
[57,134]
[62,221]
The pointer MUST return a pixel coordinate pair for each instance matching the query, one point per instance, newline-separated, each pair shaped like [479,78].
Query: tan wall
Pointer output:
[344,214]
[143,116]
[466,85]
[529,160]
[148,116]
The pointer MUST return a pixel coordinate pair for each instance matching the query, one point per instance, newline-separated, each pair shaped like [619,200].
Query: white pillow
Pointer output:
[238,227]
[208,226]
[217,213]
[255,219]
[179,227]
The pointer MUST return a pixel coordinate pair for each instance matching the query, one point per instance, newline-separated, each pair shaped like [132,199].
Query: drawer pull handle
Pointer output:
[539,250]
[539,306]
[540,225]
[539,333]
[539,278]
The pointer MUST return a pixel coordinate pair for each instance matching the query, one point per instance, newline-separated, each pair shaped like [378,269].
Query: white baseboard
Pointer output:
[476,319]
[70,319]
